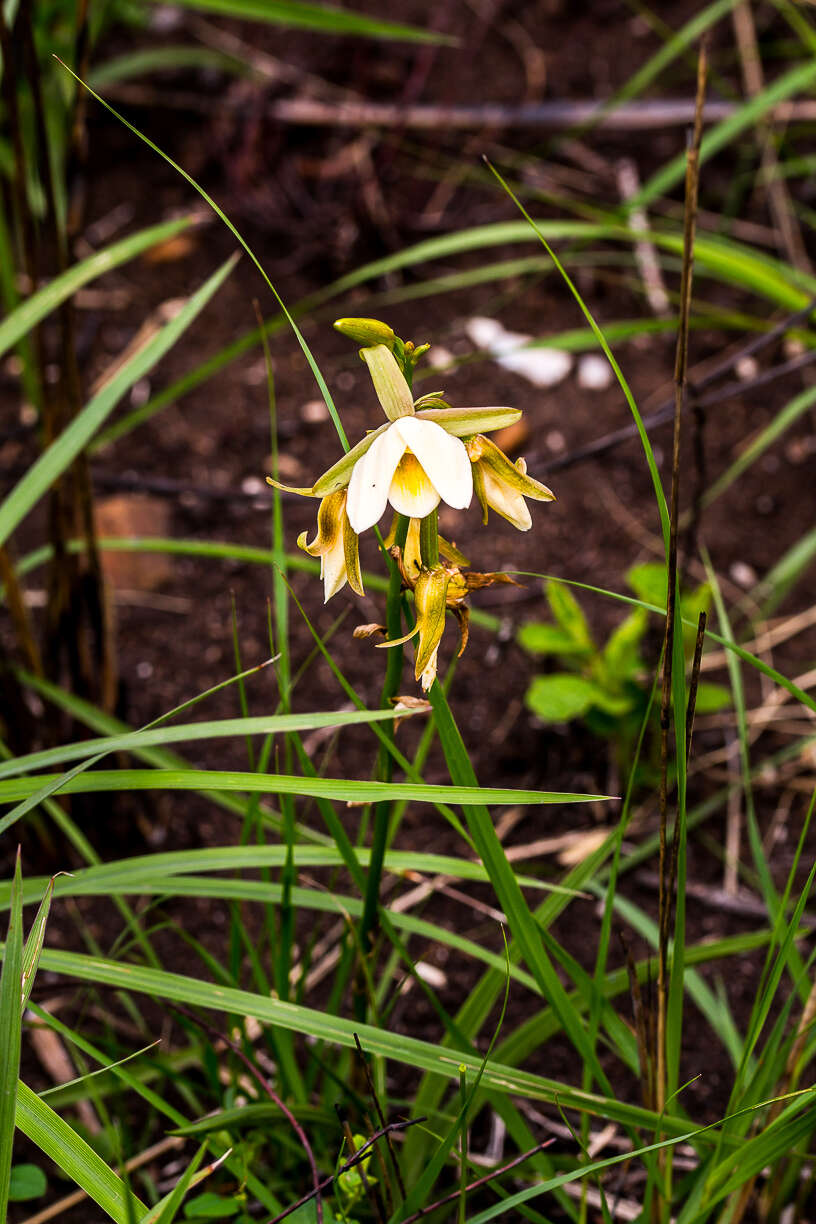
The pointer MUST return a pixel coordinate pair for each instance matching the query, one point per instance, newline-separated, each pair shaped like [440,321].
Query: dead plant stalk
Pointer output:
[667,873]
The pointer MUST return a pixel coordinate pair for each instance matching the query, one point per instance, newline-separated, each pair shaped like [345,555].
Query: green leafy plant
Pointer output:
[608,686]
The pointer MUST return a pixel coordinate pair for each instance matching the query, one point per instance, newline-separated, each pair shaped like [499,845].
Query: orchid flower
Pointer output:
[425,453]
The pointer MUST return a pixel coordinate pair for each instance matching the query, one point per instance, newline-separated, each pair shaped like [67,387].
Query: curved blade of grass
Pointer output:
[727,643]
[35,308]
[11,1020]
[13,790]
[524,1196]
[719,257]
[511,898]
[164,59]
[125,874]
[59,455]
[765,438]
[325,18]
[84,712]
[321,382]
[179,733]
[340,1031]
[75,1157]
[34,943]
[624,385]
[265,893]
[784,575]
[795,80]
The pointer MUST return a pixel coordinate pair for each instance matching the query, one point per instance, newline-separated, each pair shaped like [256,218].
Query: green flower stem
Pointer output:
[385,763]
[429,539]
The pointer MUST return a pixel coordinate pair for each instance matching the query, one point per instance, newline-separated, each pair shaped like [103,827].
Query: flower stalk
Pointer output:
[425,453]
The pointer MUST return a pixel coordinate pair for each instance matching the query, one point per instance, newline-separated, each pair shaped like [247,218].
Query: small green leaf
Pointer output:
[543,639]
[712,697]
[27,1182]
[649,582]
[621,655]
[567,611]
[561,697]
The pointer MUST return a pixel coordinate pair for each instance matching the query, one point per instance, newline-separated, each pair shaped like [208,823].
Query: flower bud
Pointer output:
[366,331]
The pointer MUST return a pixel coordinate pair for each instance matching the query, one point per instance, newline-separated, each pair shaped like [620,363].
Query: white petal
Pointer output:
[411,491]
[506,501]
[333,569]
[443,458]
[371,480]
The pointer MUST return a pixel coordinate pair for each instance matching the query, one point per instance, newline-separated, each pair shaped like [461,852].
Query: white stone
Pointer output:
[594,372]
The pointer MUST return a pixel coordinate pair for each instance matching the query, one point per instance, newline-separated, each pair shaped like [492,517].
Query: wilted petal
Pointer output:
[329,526]
[333,568]
[506,501]
[430,600]
[493,460]
[371,480]
[443,458]
[351,556]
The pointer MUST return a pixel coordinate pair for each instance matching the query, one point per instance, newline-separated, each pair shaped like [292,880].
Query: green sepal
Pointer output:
[389,382]
[338,476]
[464,422]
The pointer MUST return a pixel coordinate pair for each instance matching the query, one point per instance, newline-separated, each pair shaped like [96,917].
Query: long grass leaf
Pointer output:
[35,308]
[77,1159]
[11,1019]
[60,454]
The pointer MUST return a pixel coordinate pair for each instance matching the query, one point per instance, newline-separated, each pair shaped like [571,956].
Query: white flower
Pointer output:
[414,464]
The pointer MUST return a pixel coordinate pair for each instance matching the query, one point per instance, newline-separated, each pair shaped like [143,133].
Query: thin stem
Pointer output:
[429,539]
[385,764]
[666,871]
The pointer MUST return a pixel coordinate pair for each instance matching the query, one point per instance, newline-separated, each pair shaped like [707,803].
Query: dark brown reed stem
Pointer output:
[19,612]
[380,1115]
[680,378]
[371,1193]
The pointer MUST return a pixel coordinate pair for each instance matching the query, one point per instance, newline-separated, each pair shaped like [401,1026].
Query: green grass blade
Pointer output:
[660,496]
[69,1151]
[795,80]
[34,944]
[321,382]
[765,438]
[23,790]
[53,462]
[340,1031]
[323,18]
[503,878]
[166,1209]
[34,309]
[782,577]
[179,733]
[11,1019]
